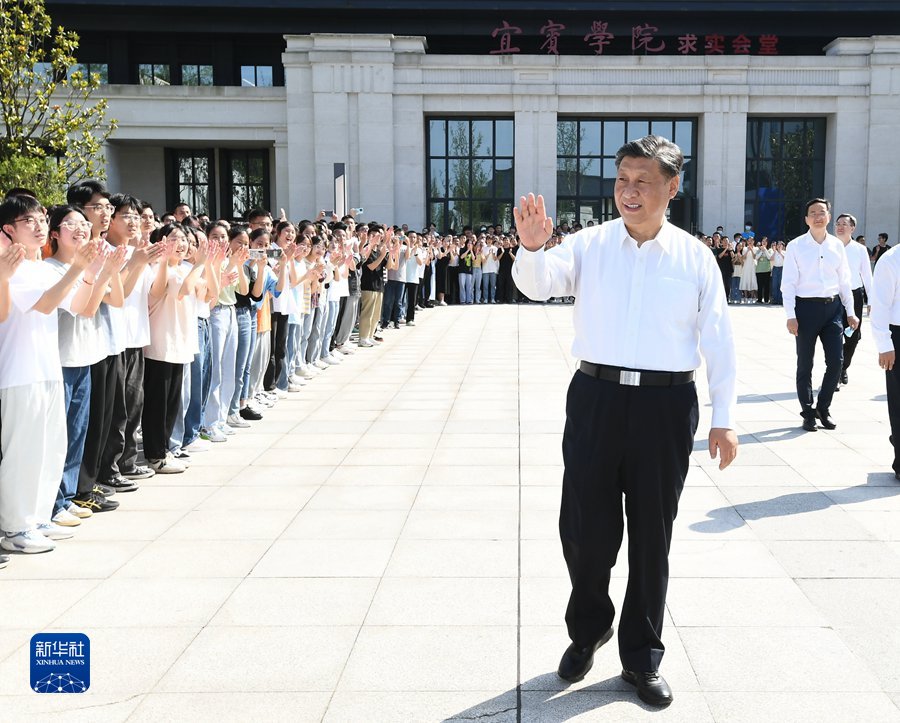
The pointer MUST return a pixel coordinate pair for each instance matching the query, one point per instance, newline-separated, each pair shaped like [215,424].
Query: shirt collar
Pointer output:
[663,238]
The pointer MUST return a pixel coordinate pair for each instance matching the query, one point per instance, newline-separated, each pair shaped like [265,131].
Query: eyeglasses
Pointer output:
[129,217]
[101,207]
[74,225]
[32,221]
[817,214]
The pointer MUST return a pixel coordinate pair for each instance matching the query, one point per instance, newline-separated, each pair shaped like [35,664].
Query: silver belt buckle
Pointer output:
[631,379]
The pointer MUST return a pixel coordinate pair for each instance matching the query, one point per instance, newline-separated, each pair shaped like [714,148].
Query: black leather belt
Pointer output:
[818,299]
[635,377]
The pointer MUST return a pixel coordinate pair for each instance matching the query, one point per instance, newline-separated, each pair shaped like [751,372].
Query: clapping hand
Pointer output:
[85,254]
[10,259]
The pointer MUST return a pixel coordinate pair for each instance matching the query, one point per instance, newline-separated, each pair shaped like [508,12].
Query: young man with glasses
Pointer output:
[815,288]
[33,436]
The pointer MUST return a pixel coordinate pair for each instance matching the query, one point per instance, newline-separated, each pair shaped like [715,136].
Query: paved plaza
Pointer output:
[383,547]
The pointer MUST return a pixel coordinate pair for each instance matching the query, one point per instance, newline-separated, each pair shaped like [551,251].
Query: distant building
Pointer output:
[447,113]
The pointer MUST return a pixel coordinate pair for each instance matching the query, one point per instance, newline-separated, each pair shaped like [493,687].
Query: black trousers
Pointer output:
[892,382]
[505,286]
[278,350]
[412,294]
[452,294]
[764,286]
[850,344]
[104,380]
[121,450]
[425,286]
[342,308]
[818,321]
[162,394]
[631,441]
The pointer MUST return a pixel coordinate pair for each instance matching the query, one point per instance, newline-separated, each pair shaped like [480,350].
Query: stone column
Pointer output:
[535,151]
[723,152]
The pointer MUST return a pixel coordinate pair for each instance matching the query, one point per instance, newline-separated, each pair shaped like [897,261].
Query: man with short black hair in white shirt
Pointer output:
[815,285]
[861,280]
[885,319]
[649,301]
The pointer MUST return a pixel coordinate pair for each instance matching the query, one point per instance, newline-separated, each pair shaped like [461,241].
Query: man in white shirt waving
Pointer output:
[649,300]
[815,286]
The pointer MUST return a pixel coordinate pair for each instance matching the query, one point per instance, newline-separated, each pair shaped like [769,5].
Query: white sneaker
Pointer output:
[213,434]
[82,513]
[282,393]
[169,465]
[294,388]
[366,343]
[343,349]
[331,359]
[27,541]
[198,445]
[320,364]
[295,379]
[64,518]
[235,420]
[226,430]
[262,401]
[308,371]
[442,303]
[53,531]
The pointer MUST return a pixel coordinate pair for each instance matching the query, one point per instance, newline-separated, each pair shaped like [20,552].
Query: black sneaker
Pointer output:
[139,472]
[396,324]
[95,502]
[247,413]
[103,489]
[120,484]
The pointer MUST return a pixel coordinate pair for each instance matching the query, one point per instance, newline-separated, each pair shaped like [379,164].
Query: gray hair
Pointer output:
[662,150]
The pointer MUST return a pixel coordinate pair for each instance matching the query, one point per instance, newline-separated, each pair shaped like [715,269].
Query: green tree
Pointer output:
[54,134]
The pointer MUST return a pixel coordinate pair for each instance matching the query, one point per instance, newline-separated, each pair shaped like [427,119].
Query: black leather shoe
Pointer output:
[809,424]
[652,688]
[826,419]
[844,379]
[576,662]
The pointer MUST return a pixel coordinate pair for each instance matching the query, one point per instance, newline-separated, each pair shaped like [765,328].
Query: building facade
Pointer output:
[455,133]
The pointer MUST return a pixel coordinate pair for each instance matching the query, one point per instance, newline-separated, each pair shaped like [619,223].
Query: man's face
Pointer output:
[29,229]
[642,194]
[844,227]
[125,226]
[261,222]
[882,240]
[99,212]
[148,222]
[818,217]
[182,212]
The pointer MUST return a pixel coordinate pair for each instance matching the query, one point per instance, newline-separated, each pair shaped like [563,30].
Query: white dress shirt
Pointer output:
[860,266]
[655,307]
[885,299]
[815,270]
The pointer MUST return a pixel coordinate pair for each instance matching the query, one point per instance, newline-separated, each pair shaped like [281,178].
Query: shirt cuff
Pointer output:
[723,417]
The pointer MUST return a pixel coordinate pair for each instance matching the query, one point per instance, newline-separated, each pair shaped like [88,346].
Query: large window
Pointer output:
[256,76]
[785,168]
[470,172]
[154,74]
[245,181]
[586,166]
[101,70]
[191,180]
[196,74]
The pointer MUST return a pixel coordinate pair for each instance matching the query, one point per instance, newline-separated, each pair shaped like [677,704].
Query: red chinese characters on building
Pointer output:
[741,45]
[642,35]
[768,45]
[714,44]
[687,44]
[506,31]
[599,37]
[551,32]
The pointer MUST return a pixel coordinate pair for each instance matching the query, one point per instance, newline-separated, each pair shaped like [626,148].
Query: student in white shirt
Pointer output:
[173,338]
[33,429]
[632,407]
[815,286]
[80,344]
[860,283]
[489,267]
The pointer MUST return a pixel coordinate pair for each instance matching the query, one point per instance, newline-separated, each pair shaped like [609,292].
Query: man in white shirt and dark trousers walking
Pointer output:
[860,279]
[815,286]
[885,318]
[649,301]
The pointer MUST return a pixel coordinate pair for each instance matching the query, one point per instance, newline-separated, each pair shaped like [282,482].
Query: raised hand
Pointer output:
[86,254]
[532,222]
[201,255]
[229,278]
[10,259]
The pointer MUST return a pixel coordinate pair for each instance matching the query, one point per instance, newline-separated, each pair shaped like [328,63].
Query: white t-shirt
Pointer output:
[29,346]
[137,318]
[412,269]
[79,338]
[173,325]
[289,302]
[490,265]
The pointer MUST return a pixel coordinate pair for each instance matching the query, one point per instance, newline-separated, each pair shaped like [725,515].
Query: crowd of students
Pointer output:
[130,341]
